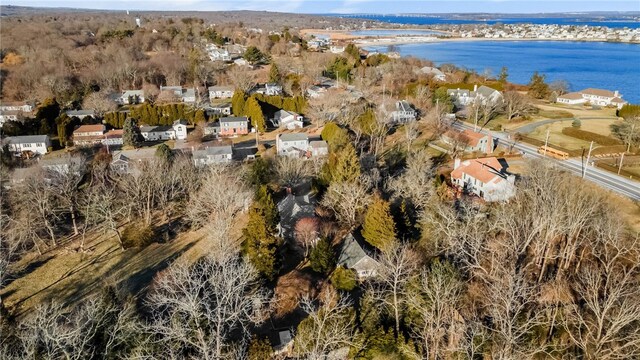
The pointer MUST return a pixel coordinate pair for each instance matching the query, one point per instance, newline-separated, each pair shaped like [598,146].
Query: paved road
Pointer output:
[607,180]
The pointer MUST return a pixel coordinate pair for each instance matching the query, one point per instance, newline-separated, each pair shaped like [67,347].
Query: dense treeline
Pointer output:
[152,114]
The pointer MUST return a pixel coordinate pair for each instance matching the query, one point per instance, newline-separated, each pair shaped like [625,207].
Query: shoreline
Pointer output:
[373,40]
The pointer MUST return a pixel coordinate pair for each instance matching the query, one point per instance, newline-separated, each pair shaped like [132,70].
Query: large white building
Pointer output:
[292,145]
[287,120]
[463,97]
[485,178]
[594,97]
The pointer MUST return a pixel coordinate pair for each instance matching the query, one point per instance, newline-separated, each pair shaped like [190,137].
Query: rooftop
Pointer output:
[89,128]
[486,170]
[234,119]
[293,137]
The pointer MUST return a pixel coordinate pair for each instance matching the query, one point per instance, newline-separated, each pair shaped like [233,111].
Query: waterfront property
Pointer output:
[463,97]
[592,96]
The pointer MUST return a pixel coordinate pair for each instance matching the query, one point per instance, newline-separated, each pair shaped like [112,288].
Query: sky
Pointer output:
[346,6]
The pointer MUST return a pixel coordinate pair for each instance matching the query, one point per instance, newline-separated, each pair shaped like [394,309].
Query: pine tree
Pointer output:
[199,117]
[537,87]
[504,74]
[130,134]
[238,102]
[378,228]
[274,74]
[163,151]
[259,243]
[267,207]
[347,165]
[254,112]
[321,258]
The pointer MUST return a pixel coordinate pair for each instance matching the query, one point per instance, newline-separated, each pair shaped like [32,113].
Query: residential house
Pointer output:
[39,144]
[473,141]
[287,120]
[17,106]
[316,91]
[293,208]
[353,256]
[594,97]
[211,128]
[337,49]
[462,97]
[128,97]
[292,145]
[404,113]
[113,137]
[217,54]
[318,148]
[486,178]
[63,164]
[177,131]
[433,72]
[212,155]
[234,125]
[89,135]
[271,89]
[128,161]
[221,92]
[9,115]
[186,95]
[218,109]
[81,114]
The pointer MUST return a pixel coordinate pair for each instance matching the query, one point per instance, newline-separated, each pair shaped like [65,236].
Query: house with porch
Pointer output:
[593,96]
[221,92]
[485,177]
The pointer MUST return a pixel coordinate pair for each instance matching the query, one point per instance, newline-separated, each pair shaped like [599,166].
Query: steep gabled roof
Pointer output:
[486,170]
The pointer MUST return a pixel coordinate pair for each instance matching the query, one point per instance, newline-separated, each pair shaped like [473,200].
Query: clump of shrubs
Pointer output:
[137,236]
[343,279]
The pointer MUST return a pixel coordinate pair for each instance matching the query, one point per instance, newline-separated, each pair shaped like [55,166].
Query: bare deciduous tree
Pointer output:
[416,183]
[205,309]
[328,327]
[100,102]
[292,171]
[347,200]
[241,78]
[516,104]
[307,233]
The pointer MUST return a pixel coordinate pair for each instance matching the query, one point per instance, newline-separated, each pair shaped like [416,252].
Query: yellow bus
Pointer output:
[554,153]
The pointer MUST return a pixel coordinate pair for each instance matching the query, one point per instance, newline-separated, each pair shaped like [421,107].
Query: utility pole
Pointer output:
[620,166]
[546,143]
[584,171]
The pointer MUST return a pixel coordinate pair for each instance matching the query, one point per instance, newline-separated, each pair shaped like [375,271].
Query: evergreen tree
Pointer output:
[537,87]
[254,56]
[378,228]
[259,243]
[130,135]
[199,117]
[321,258]
[347,165]
[267,207]
[238,102]
[274,74]
[259,349]
[335,136]
[163,151]
[442,99]
[344,279]
[353,51]
[254,112]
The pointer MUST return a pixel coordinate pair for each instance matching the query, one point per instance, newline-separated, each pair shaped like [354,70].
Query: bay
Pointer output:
[612,66]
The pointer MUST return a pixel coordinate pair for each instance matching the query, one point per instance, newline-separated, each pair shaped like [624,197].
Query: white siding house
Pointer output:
[292,145]
[35,143]
[485,178]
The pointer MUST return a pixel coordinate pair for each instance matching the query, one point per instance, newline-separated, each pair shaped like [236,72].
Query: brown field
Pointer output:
[557,138]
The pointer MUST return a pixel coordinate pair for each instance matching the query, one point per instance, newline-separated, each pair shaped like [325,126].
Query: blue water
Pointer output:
[439,20]
[612,66]
[392,32]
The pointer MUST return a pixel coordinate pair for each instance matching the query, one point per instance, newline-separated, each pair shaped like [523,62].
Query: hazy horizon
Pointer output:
[348,6]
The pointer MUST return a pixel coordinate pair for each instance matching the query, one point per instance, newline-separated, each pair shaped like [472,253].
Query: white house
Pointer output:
[89,135]
[594,97]
[353,256]
[483,93]
[187,95]
[212,155]
[177,131]
[9,115]
[127,161]
[474,141]
[316,91]
[35,143]
[287,120]
[81,114]
[485,178]
[404,113]
[292,145]
[16,106]
[131,97]
[337,49]
[218,109]
[434,72]
[216,54]
[221,92]
[319,148]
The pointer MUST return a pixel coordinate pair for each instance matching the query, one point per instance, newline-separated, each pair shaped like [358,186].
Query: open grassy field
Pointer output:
[568,142]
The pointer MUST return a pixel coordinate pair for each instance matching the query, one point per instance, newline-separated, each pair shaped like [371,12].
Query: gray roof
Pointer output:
[221,88]
[403,106]
[133,92]
[234,119]
[212,124]
[351,253]
[80,112]
[294,137]
[318,144]
[213,151]
[27,139]
[486,91]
